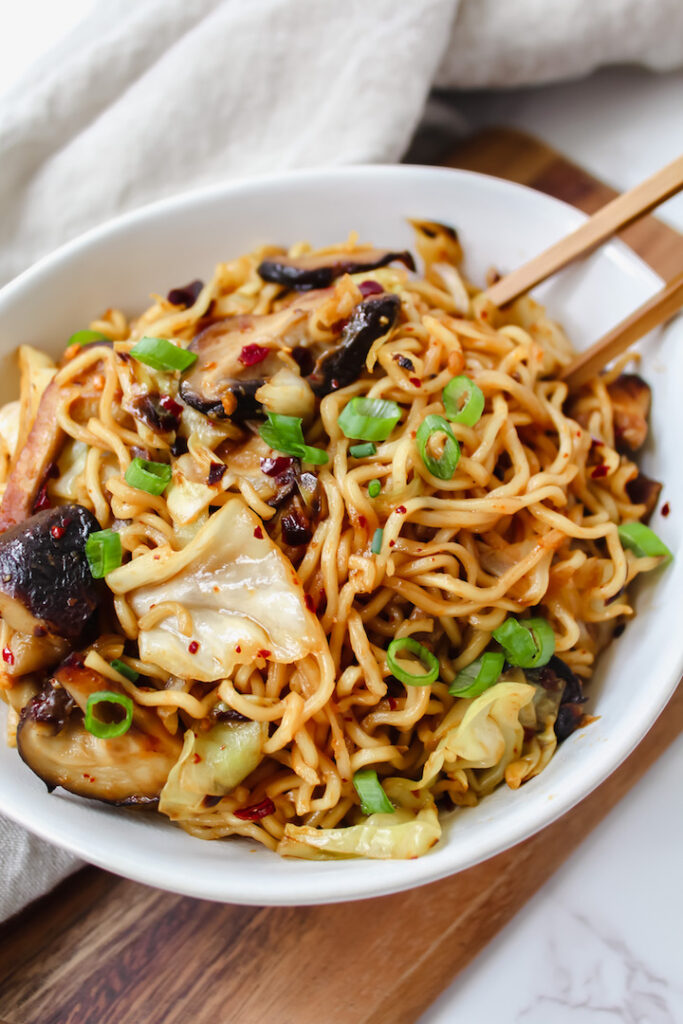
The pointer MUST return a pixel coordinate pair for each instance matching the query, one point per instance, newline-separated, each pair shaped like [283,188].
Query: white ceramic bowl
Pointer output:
[500,224]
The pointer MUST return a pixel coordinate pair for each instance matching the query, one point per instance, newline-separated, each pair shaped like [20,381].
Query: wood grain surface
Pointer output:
[103,950]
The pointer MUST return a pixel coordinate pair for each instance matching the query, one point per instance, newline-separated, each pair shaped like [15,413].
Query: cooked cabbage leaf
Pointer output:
[489,735]
[241,591]
[212,763]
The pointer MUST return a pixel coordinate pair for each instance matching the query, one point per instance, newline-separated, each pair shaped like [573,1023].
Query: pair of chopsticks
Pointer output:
[623,210]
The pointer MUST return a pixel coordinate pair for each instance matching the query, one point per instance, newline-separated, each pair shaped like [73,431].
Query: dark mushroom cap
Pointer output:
[557,677]
[342,365]
[45,581]
[53,741]
[304,273]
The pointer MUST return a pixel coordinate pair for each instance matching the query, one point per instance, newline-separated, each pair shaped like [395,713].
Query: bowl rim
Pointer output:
[336,886]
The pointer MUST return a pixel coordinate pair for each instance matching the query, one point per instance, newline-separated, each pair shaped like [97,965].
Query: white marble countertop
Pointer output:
[602,941]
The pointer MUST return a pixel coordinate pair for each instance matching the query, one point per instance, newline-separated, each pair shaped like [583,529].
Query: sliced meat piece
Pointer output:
[343,364]
[46,587]
[35,458]
[53,741]
[314,270]
[631,398]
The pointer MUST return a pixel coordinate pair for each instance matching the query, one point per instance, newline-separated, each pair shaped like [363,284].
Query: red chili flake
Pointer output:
[57,532]
[263,653]
[310,603]
[415,792]
[339,325]
[258,533]
[238,649]
[370,288]
[216,472]
[193,647]
[362,522]
[401,509]
[598,471]
[596,442]
[256,811]
[391,543]
[253,354]
[7,656]
[42,501]
[393,703]
[172,407]
[196,758]
[415,381]
[484,315]
[276,466]
[666,508]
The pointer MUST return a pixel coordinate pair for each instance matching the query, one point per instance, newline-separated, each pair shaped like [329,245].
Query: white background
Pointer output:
[602,941]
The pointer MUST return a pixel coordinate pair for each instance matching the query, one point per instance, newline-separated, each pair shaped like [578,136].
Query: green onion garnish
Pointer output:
[86,337]
[443,467]
[643,541]
[370,419]
[360,451]
[374,487]
[153,477]
[376,545]
[284,434]
[478,676]
[161,354]
[125,670]
[373,799]
[528,644]
[108,730]
[429,661]
[103,552]
[463,400]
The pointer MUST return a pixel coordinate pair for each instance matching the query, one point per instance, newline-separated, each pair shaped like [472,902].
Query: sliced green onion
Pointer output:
[125,670]
[161,354]
[103,552]
[360,451]
[108,730]
[373,799]
[374,487]
[284,434]
[478,676]
[152,477]
[370,419]
[463,400]
[86,337]
[376,545]
[528,644]
[429,661]
[443,467]
[643,541]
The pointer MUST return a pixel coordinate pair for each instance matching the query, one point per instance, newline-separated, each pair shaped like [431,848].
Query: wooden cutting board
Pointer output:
[102,950]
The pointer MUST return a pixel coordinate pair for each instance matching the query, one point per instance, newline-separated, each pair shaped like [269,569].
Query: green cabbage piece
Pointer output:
[409,832]
[212,763]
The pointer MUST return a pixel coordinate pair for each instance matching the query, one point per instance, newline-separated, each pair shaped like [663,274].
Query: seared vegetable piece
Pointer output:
[631,398]
[212,763]
[556,677]
[343,364]
[27,653]
[46,586]
[236,357]
[55,744]
[315,271]
[33,462]
[643,490]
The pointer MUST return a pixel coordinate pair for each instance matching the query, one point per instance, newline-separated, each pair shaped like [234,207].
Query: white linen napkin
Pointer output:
[147,99]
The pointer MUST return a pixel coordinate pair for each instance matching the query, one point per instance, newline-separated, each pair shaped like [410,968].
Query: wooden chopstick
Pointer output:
[609,219]
[655,311]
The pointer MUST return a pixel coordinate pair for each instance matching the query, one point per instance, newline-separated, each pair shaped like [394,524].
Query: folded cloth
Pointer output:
[147,99]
